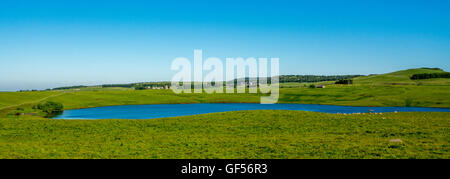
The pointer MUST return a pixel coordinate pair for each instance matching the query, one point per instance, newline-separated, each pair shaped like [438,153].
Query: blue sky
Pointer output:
[45,44]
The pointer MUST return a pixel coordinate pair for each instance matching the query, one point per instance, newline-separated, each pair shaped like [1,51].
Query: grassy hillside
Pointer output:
[402,78]
[244,134]
[367,95]
[391,89]
[16,98]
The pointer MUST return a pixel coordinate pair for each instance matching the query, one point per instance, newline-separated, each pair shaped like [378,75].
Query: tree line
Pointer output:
[282,79]
[430,75]
[313,78]
[69,87]
[344,82]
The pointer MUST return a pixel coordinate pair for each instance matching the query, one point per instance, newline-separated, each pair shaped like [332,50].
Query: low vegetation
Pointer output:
[244,134]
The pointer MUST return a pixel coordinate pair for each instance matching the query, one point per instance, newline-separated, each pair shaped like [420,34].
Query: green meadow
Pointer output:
[243,134]
[24,133]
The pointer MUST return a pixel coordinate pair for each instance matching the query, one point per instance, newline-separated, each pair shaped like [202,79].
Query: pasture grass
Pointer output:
[264,134]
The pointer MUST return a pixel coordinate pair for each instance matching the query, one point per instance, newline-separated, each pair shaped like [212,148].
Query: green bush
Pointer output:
[345,82]
[140,88]
[51,107]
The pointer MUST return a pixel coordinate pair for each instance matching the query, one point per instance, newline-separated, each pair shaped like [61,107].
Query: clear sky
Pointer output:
[45,44]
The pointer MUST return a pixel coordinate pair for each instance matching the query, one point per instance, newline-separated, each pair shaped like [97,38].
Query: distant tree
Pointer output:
[140,88]
[344,82]
[119,85]
[69,87]
[313,78]
[312,86]
[430,75]
[431,68]
[50,107]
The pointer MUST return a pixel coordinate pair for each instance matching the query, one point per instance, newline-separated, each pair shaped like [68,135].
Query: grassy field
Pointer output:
[244,134]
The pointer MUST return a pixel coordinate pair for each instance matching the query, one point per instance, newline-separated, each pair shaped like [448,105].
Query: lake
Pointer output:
[173,110]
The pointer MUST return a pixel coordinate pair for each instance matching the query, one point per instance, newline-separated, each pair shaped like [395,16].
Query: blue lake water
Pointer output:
[173,110]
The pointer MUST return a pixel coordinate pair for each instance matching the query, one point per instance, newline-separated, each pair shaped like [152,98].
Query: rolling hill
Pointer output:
[403,78]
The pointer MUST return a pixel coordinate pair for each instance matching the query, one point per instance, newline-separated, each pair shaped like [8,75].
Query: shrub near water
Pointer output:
[50,107]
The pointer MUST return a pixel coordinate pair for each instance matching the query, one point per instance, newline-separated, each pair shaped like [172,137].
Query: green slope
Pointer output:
[402,78]
[8,99]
